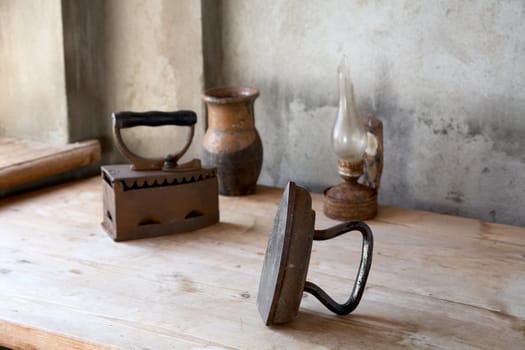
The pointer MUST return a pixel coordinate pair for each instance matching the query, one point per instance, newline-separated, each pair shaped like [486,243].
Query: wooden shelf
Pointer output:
[22,161]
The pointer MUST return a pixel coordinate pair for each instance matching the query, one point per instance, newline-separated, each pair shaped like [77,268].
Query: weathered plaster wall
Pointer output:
[32,85]
[66,65]
[447,78]
[133,55]
[85,69]
[154,61]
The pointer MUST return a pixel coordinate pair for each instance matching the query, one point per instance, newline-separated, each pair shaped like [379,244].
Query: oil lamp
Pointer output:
[357,142]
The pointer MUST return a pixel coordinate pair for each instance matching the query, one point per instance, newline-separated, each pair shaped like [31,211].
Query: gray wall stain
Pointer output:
[448,81]
[84,27]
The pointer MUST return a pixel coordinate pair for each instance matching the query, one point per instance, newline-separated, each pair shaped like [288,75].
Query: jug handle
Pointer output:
[122,120]
[362,274]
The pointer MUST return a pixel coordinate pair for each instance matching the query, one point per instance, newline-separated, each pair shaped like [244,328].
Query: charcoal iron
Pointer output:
[283,277]
[153,197]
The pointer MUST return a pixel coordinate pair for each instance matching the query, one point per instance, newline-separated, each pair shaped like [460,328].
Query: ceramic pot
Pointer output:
[231,143]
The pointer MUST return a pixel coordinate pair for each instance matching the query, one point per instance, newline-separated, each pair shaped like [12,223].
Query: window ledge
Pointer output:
[23,161]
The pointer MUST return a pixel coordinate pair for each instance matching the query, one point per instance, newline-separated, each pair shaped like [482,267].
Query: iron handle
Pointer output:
[362,274]
[154,118]
[122,120]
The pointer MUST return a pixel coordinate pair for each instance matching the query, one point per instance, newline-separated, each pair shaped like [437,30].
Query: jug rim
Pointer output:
[230,94]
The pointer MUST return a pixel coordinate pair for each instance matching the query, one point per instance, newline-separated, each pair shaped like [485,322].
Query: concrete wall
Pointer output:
[154,61]
[32,86]
[133,55]
[447,78]
[65,66]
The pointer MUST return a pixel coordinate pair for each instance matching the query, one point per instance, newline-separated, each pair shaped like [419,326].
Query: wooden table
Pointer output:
[436,281]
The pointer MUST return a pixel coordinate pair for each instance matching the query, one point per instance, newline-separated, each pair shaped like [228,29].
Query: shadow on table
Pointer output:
[332,331]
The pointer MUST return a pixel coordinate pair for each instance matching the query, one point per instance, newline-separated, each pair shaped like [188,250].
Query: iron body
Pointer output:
[153,197]
[283,277]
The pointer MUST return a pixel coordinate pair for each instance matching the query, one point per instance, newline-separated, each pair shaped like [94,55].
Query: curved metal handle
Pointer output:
[122,120]
[362,274]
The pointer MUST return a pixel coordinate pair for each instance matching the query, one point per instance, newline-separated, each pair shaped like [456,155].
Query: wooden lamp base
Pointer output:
[350,201]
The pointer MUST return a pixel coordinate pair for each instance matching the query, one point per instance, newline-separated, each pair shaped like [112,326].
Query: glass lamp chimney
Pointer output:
[349,138]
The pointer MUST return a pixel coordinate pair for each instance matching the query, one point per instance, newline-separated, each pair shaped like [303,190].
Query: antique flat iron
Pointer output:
[283,277]
[153,197]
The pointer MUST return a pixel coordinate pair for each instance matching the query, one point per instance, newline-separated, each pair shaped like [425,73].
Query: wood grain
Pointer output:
[22,161]
[437,281]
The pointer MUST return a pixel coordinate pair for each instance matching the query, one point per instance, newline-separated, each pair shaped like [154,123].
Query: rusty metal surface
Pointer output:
[373,160]
[138,205]
[283,277]
[350,201]
[287,257]
[154,197]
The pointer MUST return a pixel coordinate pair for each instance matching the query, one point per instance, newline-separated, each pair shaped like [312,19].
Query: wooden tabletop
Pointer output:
[436,281]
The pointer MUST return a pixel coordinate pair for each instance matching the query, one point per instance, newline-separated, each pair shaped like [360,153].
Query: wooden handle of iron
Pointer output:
[122,120]
[154,118]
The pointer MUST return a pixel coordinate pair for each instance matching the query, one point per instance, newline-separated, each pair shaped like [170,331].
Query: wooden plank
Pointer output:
[436,281]
[16,336]
[23,161]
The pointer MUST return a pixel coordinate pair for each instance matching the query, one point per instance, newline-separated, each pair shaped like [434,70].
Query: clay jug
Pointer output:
[231,143]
